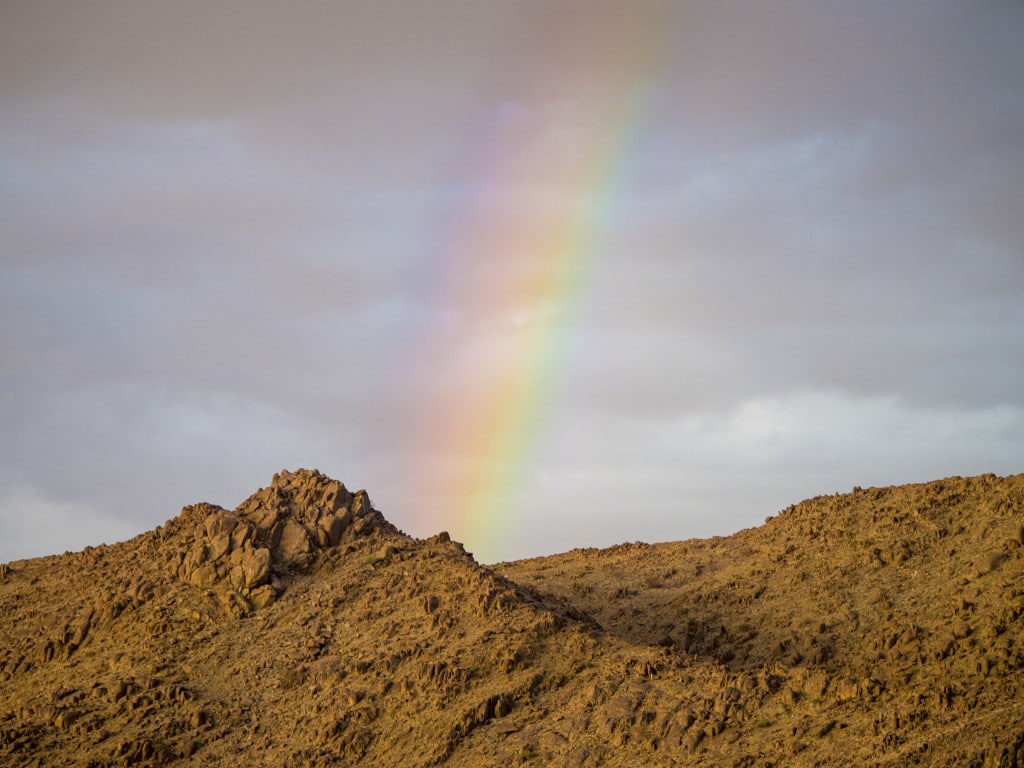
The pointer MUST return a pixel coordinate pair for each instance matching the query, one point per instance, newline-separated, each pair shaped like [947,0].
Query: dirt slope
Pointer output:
[881,627]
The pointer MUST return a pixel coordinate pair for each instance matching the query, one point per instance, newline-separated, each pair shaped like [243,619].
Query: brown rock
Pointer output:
[219,523]
[241,535]
[220,545]
[205,575]
[294,542]
[332,526]
[255,564]
[235,604]
[262,597]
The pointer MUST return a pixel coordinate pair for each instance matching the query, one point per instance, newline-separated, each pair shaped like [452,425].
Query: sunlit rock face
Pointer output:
[302,628]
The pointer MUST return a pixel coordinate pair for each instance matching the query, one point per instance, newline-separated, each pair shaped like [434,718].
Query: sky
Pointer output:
[541,274]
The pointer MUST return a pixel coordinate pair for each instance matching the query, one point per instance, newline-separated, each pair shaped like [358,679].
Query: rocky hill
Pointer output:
[880,627]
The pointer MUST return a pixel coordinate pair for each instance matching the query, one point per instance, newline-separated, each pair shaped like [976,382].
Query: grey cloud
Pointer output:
[197,60]
[712,473]
[242,237]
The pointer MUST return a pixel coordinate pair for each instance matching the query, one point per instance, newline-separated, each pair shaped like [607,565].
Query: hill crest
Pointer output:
[882,626]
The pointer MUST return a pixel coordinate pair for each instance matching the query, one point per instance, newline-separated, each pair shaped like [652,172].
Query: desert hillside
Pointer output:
[880,627]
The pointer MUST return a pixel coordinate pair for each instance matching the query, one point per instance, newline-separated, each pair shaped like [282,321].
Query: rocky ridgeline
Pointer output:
[248,554]
[880,627]
[892,619]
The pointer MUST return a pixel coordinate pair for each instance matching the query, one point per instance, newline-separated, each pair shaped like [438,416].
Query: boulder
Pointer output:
[219,523]
[205,575]
[294,543]
[261,597]
[255,565]
[220,545]
[333,526]
[240,535]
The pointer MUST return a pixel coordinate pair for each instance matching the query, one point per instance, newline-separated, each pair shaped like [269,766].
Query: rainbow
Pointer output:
[520,244]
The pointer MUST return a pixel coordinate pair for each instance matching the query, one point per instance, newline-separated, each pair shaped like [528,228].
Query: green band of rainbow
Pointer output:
[491,432]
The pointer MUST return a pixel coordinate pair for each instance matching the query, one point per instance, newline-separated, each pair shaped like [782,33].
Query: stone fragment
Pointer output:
[235,604]
[360,505]
[241,535]
[204,576]
[336,497]
[255,565]
[294,541]
[264,596]
[217,524]
[220,545]
[333,526]
[65,718]
[236,577]
[197,555]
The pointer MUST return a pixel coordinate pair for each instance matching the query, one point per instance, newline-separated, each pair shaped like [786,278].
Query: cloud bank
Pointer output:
[248,237]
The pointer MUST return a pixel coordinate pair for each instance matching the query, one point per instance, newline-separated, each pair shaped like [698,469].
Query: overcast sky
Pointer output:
[542,274]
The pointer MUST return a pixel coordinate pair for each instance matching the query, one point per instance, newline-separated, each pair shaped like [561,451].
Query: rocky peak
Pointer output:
[303,511]
[277,531]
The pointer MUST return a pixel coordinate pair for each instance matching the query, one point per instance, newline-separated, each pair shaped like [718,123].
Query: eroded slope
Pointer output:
[895,616]
[301,627]
[884,626]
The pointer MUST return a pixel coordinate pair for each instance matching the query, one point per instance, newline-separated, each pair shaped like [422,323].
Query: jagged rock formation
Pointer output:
[880,627]
[277,530]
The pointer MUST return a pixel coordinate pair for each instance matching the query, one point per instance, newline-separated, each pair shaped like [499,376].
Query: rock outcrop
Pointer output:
[276,532]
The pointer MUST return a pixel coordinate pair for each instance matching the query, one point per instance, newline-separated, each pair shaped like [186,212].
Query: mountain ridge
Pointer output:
[302,628]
